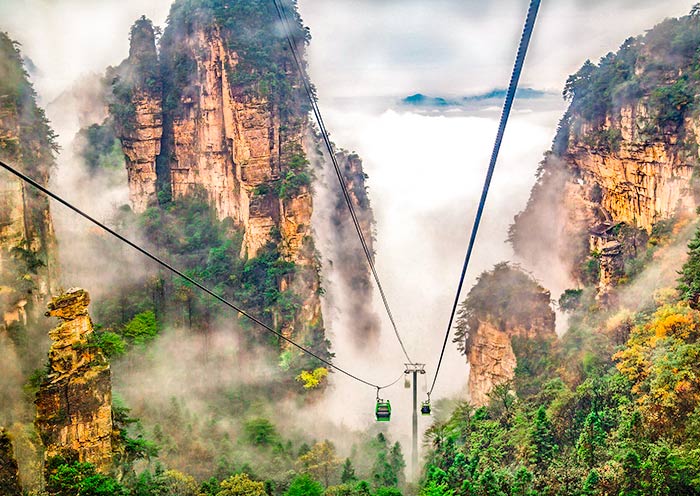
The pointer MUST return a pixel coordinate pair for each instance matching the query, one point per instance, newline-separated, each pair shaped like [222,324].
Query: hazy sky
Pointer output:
[462,46]
[425,171]
[361,47]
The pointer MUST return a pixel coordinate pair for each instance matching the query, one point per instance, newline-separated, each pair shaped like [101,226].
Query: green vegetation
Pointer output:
[139,73]
[142,328]
[80,479]
[590,269]
[111,344]
[503,296]
[188,234]
[296,177]
[303,485]
[570,299]
[616,409]
[316,470]
[36,142]
[689,283]
[101,149]
[261,432]
[607,140]
[661,67]
[250,29]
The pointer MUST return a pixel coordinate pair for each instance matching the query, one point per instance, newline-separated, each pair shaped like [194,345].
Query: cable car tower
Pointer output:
[415,369]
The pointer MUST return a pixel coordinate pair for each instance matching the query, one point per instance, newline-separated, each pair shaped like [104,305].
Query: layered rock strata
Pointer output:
[74,402]
[223,134]
[603,175]
[506,308]
[492,360]
[641,180]
[27,241]
[140,126]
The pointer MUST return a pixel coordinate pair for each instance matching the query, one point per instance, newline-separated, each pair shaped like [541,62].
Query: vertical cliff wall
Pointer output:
[74,402]
[27,257]
[223,116]
[623,162]
[27,243]
[221,133]
[504,307]
[138,107]
[345,253]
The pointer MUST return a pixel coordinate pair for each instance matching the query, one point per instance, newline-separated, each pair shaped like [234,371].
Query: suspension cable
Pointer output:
[329,146]
[179,273]
[513,86]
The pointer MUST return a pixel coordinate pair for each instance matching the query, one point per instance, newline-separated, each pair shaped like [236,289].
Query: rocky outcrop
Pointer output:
[505,307]
[74,402]
[27,242]
[229,146]
[211,138]
[492,360]
[231,131]
[612,267]
[639,180]
[623,159]
[9,471]
[139,107]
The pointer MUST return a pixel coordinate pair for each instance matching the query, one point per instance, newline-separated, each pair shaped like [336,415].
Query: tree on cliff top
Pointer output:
[506,297]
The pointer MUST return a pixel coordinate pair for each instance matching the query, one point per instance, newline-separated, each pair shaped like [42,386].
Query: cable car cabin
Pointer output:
[425,408]
[383,411]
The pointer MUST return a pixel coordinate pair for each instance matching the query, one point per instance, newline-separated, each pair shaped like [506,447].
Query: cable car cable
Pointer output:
[161,262]
[329,146]
[389,385]
[510,96]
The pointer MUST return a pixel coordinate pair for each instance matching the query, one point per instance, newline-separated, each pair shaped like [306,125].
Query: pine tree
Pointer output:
[383,474]
[591,440]
[348,474]
[398,463]
[542,439]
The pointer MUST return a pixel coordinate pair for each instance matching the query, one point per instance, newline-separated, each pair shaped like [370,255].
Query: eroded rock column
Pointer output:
[74,402]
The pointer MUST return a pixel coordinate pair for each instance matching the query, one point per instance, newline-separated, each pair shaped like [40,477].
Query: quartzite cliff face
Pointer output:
[74,402]
[221,114]
[506,311]
[140,123]
[27,243]
[215,135]
[622,164]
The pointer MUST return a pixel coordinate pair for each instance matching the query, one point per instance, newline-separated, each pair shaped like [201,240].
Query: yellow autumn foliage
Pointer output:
[311,379]
[662,361]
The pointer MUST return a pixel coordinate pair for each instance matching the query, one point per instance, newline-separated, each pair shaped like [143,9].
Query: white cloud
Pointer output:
[425,171]
[369,47]
[67,39]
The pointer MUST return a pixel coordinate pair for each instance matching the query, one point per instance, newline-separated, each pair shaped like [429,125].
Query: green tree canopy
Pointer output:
[303,485]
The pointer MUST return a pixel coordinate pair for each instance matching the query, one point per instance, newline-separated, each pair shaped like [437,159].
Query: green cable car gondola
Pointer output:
[425,408]
[383,410]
